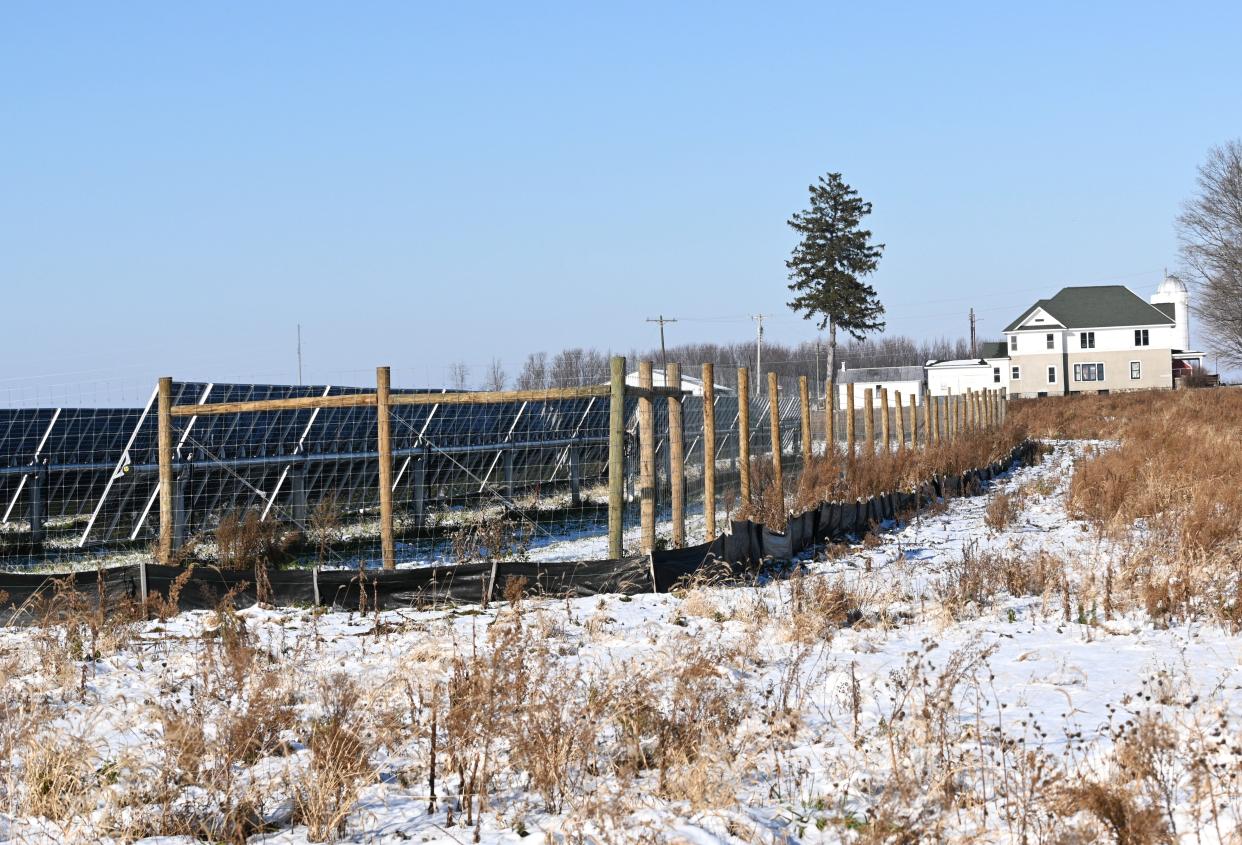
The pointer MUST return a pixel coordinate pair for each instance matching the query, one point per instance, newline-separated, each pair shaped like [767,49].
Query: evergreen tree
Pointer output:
[828,265]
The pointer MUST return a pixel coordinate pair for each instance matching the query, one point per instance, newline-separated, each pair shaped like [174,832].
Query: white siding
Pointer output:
[958,379]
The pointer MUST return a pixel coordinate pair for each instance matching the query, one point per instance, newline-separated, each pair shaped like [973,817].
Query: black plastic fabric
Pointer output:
[748,546]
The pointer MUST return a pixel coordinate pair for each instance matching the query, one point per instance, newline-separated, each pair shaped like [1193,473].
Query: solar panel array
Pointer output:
[76,481]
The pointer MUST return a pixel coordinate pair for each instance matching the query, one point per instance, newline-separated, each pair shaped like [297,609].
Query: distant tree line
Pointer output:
[580,366]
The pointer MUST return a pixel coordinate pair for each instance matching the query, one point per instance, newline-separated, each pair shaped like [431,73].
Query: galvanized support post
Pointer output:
[508,459]
[298,507]
[180,487]
[38,503]
[420,488]
[575,479]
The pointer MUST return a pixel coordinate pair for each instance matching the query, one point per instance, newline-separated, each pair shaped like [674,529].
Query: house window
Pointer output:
[1052,375]
[996,375]
[1141,337]
[1015,373]
[1088,372]
[1052,344]
[1086,340]
[1136,370]
[1013,343]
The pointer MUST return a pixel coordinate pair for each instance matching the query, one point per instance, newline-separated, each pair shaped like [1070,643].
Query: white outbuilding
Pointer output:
[908,381]
[987,372]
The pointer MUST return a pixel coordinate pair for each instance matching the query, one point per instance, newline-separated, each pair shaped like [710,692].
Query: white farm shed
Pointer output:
[905,380]
[987,372]
[956,377]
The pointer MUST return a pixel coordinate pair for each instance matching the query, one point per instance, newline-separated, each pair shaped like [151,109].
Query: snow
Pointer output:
[1058,687]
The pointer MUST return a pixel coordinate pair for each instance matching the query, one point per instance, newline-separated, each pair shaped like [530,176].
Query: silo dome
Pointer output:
[1170,287]
[1173,291]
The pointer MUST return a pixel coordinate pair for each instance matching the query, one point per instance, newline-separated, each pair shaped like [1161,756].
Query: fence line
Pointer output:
[364,445]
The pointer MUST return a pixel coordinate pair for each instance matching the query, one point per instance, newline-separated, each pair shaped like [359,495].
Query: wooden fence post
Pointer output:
[743,432]
[927,418]
[914,421]
[804,396]
[849,421]
[830,421]
[676,457]
[950,411]
[886,428]
[646,460]
[165,446]
[774,415]
[383,421]
[616,457]
[901,420]
[869,420]
[709,451]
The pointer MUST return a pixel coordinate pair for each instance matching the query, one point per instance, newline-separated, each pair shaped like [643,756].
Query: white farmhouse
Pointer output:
[1097,340]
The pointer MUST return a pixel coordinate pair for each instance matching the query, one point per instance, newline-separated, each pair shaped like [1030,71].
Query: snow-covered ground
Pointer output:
[916,714]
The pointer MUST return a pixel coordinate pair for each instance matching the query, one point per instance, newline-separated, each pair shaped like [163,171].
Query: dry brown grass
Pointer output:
[834,477]
[1003,508]
[975,581]
[1173,475]
[244,540]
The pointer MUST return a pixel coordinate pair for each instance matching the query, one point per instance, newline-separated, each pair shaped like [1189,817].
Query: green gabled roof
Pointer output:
[994,349]
[1097,307]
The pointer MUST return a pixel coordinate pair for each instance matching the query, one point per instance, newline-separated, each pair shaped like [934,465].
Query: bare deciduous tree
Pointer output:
[534,373]
[576,367]
[1210,232]
[459,374]
[496,376]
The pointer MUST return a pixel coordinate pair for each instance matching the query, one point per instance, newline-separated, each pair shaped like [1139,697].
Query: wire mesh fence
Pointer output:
[307,475]
[521,478]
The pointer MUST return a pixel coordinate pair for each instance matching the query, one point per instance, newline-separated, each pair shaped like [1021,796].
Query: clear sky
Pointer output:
[418,184]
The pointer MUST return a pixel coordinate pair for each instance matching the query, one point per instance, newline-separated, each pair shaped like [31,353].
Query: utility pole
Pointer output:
[663,352]
[758,318]
[974,352]
[299,354]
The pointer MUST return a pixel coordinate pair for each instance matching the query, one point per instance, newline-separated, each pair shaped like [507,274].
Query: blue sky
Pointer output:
[422,184]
